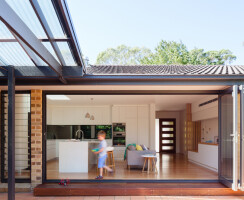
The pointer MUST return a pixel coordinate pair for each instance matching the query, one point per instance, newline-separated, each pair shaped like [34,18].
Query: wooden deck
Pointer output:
[135,189]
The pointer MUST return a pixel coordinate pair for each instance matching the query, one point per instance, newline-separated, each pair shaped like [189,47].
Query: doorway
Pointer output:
[167,134]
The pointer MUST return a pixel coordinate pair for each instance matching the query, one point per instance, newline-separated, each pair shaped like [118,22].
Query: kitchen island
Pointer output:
[206,156]
[76,156]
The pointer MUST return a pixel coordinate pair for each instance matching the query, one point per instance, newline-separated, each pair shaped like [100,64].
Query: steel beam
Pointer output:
[11,133]
[28,51]
[40,39]
[18,27]
[64,14]
[35,5]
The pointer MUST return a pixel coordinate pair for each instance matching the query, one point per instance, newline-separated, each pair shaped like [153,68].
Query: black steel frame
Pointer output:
[11,134]
[5,180]
[104,92]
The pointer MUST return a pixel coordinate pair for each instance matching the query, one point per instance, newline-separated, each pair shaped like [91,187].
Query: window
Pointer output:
[22,137]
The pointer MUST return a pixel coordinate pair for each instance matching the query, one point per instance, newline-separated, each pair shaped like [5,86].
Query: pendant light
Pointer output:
[92,116]
[87,115]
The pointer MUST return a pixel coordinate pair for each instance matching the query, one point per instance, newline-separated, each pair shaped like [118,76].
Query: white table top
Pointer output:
[149,156]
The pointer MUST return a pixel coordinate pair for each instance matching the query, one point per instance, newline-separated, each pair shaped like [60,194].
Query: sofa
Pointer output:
[134,158]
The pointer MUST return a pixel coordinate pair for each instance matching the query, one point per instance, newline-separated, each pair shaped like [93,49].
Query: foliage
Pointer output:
[122,55]
[177,53]
[166,53]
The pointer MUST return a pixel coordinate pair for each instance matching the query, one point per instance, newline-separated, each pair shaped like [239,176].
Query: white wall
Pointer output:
[207,111]
[209,129]
[157,135]
[176,115]
[152,127]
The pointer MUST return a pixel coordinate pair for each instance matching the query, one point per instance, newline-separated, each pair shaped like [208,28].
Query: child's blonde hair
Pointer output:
[101,133]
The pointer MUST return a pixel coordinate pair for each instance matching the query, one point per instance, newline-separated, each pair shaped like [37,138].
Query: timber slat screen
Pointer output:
[22,138]
[167,135]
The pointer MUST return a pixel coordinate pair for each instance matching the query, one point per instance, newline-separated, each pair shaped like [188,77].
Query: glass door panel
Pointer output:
[228,138]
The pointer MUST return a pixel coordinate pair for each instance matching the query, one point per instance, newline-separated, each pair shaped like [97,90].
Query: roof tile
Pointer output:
[166,70]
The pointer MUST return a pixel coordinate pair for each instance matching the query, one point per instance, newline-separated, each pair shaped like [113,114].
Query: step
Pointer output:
[135,189]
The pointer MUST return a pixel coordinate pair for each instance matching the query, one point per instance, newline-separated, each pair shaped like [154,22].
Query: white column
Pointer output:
[152,127]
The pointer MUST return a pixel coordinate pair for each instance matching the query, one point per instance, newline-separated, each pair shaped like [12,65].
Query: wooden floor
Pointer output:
[170,166]
[135,189]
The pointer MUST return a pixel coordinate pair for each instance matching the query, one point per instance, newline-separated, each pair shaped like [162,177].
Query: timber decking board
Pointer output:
[137,189]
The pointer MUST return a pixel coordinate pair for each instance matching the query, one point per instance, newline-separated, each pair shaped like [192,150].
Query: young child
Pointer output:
[102,154]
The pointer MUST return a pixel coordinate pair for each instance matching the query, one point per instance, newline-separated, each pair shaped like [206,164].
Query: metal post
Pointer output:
[235,138]
[242,138]
[11,134]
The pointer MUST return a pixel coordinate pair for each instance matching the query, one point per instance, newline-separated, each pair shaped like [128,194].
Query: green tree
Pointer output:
[171,52]
[199,57]
[168,53]
[122,55]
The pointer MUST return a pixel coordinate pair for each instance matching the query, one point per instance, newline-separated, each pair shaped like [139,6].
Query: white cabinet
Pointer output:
[143,125]
[137,121]
[57,116]
[115,114]
[76,115]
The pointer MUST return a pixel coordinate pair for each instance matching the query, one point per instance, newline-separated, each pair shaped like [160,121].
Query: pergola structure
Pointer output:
[37,40]
[38,46]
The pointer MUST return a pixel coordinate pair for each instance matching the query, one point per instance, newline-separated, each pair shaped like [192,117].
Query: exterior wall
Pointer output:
[176,115]
[36,137]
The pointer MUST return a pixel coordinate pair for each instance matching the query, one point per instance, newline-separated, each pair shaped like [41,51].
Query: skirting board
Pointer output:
[206,166]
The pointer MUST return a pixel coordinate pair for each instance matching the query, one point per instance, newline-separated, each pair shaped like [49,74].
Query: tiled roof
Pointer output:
[166,70]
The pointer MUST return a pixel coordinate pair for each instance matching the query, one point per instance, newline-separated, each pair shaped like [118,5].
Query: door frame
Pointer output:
[161,138]
[114,92]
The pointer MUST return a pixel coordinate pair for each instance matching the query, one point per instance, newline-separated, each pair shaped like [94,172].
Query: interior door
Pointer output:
[228,138]
[167,134]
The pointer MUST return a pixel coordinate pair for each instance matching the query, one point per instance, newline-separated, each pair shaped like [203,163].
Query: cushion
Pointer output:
[143,146]
[138,148]
[131,148]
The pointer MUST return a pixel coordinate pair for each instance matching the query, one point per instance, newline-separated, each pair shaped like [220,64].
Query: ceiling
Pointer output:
[162,102]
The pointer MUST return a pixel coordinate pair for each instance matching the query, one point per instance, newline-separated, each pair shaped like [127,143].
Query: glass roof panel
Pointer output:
[52,18]
[4,32]
[11,53]
[50,49]
[67,55]
[25,11]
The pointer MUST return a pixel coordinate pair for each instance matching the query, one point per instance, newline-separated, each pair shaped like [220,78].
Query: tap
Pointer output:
[82,134]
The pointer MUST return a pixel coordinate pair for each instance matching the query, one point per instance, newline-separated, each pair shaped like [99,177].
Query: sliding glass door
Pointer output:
[228,135]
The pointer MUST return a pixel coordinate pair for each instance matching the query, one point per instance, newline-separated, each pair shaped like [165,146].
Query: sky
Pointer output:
[207,24]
